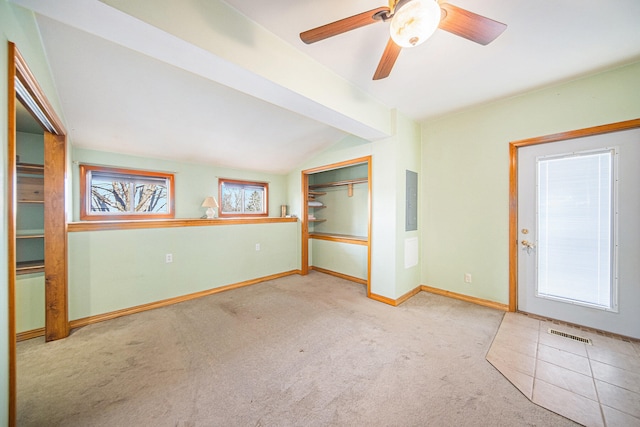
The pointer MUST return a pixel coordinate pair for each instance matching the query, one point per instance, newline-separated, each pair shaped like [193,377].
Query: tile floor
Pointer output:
[594,385]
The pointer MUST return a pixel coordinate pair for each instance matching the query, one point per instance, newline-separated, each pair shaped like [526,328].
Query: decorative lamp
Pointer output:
[210,203]
[414,22]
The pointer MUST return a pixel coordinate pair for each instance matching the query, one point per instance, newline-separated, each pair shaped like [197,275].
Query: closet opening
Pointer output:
[336,220]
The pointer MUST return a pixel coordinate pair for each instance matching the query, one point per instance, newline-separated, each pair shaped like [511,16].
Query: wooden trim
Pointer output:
[342,238]
[339,165]
[55,242]
[85,194]
[11,227]
[369,220]
[28,80]
[398,301]
[264,185]
[513,188]
[170,301]
[579,133]
[380,298]
[304,223]
[27,335]
[513,228]
[169,223]
[340,275]
[466,298]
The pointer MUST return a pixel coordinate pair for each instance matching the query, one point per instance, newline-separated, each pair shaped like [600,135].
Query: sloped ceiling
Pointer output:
[231,84]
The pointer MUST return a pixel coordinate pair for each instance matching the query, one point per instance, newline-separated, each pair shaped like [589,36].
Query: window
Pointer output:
[243,198]
[112,193]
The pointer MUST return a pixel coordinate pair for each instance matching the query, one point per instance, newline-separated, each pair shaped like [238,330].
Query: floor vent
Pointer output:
[570,336]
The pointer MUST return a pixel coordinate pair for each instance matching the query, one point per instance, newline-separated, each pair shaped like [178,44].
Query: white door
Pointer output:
[578,231]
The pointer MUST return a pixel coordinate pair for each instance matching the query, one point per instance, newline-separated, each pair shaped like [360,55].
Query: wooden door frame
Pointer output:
[23,84]
[513,188]
[304,220]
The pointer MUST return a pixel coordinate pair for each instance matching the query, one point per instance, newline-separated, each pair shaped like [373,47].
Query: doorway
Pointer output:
[46,187]
[574,229]
[336,220]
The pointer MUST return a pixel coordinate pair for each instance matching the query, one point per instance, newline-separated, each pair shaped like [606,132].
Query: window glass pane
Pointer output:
[231,198]
[151,196]
[110,194]
[253,199]
[575,198]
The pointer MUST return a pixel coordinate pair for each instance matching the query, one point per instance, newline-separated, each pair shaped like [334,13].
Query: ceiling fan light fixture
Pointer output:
[414,22]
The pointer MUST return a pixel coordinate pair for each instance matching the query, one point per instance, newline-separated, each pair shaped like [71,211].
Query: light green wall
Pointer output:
[113,270]
[465,178]
[344,214]
[18,26]
[390,159]
[340,257]
[30,302]
[193,181]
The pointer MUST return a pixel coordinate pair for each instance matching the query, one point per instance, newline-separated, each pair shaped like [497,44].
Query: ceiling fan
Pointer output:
[412,23]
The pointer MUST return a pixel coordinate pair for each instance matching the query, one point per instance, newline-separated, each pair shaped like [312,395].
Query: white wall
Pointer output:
[465,183]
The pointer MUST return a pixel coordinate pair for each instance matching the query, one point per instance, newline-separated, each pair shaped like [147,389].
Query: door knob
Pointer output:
[528,246]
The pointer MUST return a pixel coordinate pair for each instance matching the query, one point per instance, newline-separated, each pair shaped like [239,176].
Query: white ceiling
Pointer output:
[119,96]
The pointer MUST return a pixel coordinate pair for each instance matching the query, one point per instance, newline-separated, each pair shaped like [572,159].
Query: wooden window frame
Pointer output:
[85,194]
[264,185]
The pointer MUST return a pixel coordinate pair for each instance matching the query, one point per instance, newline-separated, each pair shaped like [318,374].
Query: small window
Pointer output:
[112,194]
[243,198]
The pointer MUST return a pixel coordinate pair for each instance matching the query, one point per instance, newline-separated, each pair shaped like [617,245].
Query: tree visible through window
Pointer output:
[109,193]
[243,198]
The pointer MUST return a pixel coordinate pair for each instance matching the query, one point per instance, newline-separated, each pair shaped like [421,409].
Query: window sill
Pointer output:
[169,223]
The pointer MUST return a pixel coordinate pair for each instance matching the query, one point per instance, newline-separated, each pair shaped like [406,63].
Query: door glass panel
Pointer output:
[575,199]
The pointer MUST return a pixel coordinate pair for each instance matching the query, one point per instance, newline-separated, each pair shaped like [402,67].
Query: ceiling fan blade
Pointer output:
[470,25]
[343,25]
[389,57]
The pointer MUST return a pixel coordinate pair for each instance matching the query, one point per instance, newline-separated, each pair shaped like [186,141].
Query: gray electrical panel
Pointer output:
[411,222]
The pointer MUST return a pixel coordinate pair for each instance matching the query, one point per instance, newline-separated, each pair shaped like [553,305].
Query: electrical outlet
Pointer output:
[257,246]
[467,277]
[168,258]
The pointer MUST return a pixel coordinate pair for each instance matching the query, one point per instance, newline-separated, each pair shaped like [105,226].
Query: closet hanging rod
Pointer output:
[339,183]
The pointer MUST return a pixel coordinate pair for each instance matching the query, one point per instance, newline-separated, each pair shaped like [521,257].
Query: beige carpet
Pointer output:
[305,351]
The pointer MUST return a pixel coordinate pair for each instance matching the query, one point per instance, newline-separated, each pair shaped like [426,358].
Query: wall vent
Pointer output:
[570,336]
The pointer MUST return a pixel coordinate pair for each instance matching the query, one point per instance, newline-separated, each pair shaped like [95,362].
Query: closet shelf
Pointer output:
[317,220]
[30,168]
[317,193]
[27,267]
[338,183]
[29,234]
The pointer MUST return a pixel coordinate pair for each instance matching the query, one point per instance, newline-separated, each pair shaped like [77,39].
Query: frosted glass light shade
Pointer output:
[415,22]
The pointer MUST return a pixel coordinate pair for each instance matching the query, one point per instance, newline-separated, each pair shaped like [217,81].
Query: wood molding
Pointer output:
[578,133]
[55,242]
[340,275]
[467,298]
[170,301]
[11,227]
[27,335]
[380,298]
[169,223]
[513,188]
[398,301]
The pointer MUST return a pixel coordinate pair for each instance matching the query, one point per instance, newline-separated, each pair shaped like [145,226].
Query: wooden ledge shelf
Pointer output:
[169,223]
[342,238]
